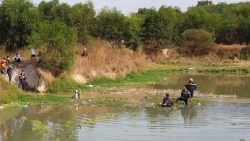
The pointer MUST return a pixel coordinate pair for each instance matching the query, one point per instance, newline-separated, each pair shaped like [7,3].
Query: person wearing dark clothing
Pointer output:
[39,55]
[22,79]
[9,71]
[191,86]
[185,95]
[8,59]
[167,102]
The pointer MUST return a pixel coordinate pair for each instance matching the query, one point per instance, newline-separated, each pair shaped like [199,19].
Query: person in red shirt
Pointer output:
[85,52]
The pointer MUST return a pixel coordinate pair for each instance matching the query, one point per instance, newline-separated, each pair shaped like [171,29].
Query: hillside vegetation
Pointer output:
[164,38]
[55,28]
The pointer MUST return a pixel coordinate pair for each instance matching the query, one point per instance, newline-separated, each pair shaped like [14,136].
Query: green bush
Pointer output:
[245,53]
[197,42]
[65,85]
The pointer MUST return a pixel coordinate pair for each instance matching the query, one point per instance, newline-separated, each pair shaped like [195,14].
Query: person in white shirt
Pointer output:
[17,58]
[33,53]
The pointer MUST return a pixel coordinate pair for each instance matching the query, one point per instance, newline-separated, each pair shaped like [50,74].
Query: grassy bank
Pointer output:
[133,78]
[10,95]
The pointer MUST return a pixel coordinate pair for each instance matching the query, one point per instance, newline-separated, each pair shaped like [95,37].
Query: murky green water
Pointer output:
[221,121]
[216,84]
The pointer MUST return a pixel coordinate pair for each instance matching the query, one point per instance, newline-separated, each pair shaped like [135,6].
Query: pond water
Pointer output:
[221,120]
[215,84]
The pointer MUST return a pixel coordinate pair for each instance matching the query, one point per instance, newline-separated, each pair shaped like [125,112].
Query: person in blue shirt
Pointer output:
[191,86]
[185,95]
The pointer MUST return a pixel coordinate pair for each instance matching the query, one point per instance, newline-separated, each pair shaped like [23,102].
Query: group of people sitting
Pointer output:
[6,66]
[186,94]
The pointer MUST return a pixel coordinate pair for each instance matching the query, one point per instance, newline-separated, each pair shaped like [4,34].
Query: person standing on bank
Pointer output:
[9,71]
[191,86]
[33,54]
[185,95]
[22,79]
[85,52]
[3,66]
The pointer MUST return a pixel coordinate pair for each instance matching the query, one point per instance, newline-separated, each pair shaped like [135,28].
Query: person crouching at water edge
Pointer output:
[77,94]
[185,95]
[167,102]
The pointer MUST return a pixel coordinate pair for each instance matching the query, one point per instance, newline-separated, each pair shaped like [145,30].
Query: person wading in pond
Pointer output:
[191,86]
[167,102]
[185,95]
[22,80]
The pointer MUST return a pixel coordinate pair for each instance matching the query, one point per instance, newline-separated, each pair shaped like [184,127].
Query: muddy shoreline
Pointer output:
[135,96]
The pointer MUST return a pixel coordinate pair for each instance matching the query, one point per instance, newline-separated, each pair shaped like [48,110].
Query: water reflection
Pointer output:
[188,113]
[216,84]
[217,121]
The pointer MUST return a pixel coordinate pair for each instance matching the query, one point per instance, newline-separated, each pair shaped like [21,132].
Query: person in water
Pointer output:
[167,102]
[191,86]
[185,95]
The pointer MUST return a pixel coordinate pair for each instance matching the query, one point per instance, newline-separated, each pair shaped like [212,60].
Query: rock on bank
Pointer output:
[37,79]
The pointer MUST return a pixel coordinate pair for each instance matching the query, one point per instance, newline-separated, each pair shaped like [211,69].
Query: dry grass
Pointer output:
[106,61]
[226,51]
[24,53]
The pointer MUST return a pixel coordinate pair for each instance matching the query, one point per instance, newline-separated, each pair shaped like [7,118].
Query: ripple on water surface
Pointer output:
[224,122]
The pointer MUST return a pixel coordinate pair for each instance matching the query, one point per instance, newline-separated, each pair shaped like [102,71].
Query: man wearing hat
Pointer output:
[191,86]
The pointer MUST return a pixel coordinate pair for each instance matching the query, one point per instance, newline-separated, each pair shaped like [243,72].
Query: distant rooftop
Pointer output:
[204,2]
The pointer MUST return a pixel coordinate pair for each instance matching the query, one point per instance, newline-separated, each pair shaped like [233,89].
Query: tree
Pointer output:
[196,18]
[109,25]
[57,38]
[159,27]
[132,31]
[18,18]
[82,19]
[46,9]
[227,31]
[197,42]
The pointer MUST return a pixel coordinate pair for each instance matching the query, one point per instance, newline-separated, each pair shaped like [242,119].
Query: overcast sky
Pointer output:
[128,6]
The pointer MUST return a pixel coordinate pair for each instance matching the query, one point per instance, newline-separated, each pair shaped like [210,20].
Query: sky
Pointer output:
[128,6]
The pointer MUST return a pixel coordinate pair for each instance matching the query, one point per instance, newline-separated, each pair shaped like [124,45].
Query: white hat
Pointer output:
[191,79]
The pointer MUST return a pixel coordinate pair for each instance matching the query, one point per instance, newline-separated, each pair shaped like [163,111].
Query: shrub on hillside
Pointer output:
[197,42]
[245,52]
